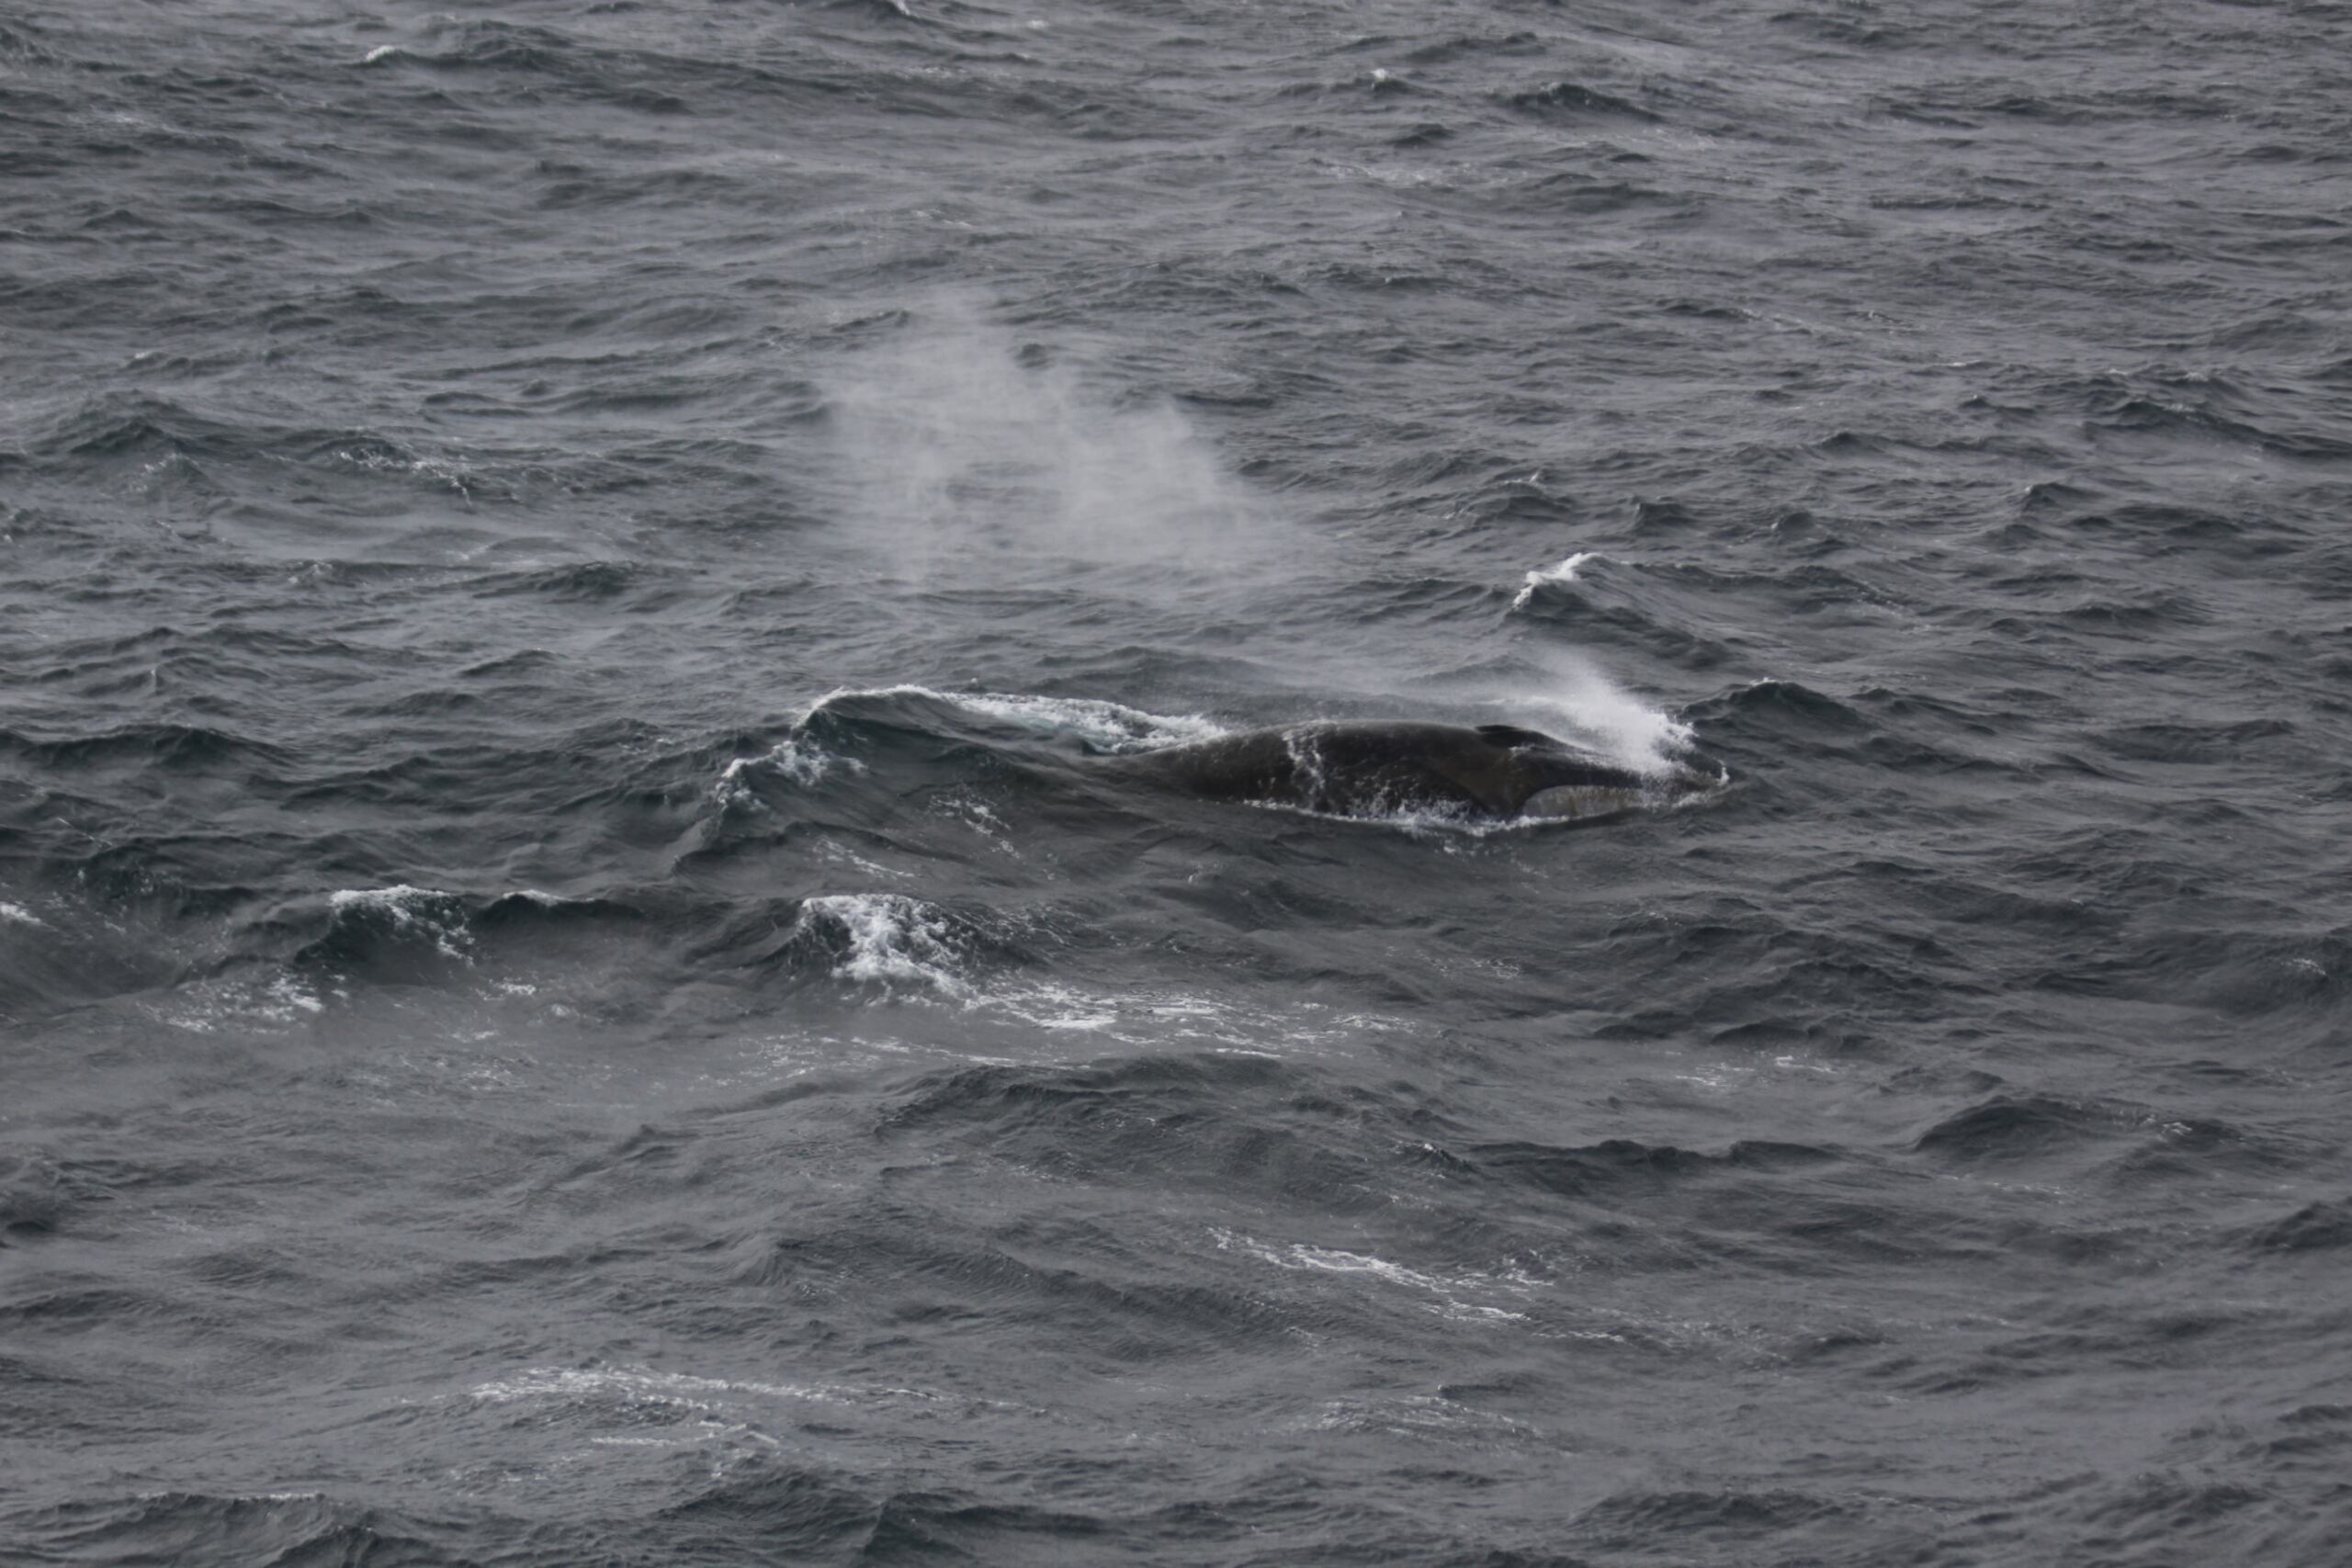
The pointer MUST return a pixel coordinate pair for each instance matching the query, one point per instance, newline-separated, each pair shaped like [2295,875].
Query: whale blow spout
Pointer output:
[1493,773]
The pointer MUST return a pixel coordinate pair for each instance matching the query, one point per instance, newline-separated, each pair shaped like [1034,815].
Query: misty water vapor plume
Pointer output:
[1564,692]
[974,454]
[1599,711]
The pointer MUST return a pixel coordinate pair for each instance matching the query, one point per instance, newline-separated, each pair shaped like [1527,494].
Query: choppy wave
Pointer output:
[1547,577]
[582,975]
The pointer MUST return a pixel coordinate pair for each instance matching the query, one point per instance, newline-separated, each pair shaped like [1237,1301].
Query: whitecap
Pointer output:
[408,908]
[892,939]
[1548,576]
[795,758]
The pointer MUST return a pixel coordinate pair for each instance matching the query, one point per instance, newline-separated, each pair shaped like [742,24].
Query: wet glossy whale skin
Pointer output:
[1400,770]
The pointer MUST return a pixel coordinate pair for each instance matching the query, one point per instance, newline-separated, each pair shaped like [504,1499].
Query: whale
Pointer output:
[1478,773]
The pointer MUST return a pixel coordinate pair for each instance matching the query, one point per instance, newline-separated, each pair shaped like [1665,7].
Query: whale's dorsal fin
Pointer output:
[1512,735]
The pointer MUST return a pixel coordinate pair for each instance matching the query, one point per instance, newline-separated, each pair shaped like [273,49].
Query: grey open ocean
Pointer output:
[584,980]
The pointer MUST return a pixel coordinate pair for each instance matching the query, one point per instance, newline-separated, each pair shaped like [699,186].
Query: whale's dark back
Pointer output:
[1491,771]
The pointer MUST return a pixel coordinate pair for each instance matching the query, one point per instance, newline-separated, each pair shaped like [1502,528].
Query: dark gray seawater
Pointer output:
[571,990]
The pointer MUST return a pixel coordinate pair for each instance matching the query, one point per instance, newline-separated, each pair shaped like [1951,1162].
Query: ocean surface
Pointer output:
[576,989]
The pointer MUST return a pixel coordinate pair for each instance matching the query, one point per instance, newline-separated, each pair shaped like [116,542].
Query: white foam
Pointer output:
[895,940]
[1547,577]
[21,915]
[1416,1415]
[978,816]
[842,854]
[393,901]
[795,758]
[205,1006]
[289,998]
[1113,727]
[1060,1008]
[902,944]
[628,1386]
[1332,1260]
[407,907]
[451,473]
[892,939]
[642,1388]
